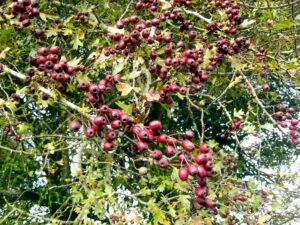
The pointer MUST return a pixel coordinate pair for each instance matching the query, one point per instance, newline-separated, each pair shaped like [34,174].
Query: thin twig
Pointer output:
[252,90]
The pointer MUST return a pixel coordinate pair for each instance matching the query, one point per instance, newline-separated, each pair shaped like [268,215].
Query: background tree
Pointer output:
[148,112]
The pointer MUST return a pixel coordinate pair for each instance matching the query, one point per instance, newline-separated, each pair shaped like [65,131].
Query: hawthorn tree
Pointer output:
[148,111]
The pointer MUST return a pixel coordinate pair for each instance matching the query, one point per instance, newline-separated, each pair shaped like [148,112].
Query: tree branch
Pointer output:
[47,91]
[271,7]
[252,90]
[194,14]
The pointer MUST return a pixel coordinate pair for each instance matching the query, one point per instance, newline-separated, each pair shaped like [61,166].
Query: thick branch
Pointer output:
[194,14]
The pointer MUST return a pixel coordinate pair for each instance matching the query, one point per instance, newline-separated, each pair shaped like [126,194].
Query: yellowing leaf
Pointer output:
[3,53]
[119,65]
[238,114]
[75,62]
[124,88]
[235,82]
[43,16]
[150,97]
[247,23]
[60,162]
[237,64]
[77,209]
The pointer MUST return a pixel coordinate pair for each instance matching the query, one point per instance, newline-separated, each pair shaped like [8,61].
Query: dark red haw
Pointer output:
[200,191]
[94,89]
[193,169]
[163,163]
[192,35]
[294,122]
[182,158]
[99,120]
[187,145]
[183,173]
[200,159]
[204,148]
[201,171]
[155,125]
[110,136]
[54,50]
[141,146]
[75,126]
[116,124]
[170,150]
[89,132]
[171,141]
[43,51]
[162,138]
[156,154]
[143,135]
[189,134]
[107,146]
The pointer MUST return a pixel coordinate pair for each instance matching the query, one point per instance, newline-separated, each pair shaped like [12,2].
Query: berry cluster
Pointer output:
[182,2]
[95,91]
[261,55]
[232,11]
[113,123]
[236,124]
[199,167]
[150,4]
[82,17]
[285,117]
[51,65]
[39,34]
[25,10]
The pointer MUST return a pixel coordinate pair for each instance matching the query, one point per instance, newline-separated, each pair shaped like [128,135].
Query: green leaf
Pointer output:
[124,107]
[76,42]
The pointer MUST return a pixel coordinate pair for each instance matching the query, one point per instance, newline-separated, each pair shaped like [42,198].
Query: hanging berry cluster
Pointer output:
[113,123]
[286,120]
[25,10]
[50,65]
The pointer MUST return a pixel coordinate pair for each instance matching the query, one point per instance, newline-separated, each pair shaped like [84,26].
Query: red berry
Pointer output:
[187,145]
[294,122]
[110,136]
[193,169]
[204,148]
[54,50]
[162,138]
[75,125]
[107,146]
[201,171]
[100,120]
[170,150]
[156,154]
[163,163]
[116,124]
[200,191]
[43,51]
[171,141]
[192,35]
[200,159]
[189,135]
[183,173]
[141,146]
[155,125]
[89,132]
